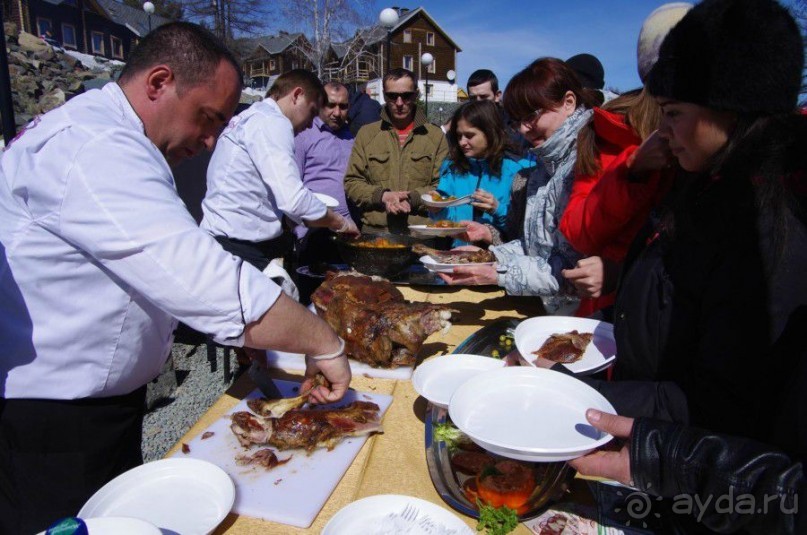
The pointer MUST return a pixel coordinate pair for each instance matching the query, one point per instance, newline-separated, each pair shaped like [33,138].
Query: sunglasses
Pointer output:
[406,96]
[515,124]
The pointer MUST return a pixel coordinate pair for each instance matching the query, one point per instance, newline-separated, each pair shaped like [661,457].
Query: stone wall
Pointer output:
[42,77]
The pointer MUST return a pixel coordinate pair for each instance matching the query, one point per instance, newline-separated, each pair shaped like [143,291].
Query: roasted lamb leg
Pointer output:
[275,408]
[307,429]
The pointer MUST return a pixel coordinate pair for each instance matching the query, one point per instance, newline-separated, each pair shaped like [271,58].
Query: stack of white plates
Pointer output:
[529,414]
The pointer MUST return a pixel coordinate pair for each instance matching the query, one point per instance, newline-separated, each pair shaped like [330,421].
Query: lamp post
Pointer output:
[388,19]
[148,7]
[426,60]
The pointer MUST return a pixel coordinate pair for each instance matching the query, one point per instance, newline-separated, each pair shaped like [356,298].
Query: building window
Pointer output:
[294,65]
[117,47]
[430,38]
[432,68]
[69,35]
[43,26]
[272,65]
[407,36]
[97,42]
[407,62]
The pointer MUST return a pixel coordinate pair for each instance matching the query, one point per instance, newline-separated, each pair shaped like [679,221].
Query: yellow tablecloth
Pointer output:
[395,462]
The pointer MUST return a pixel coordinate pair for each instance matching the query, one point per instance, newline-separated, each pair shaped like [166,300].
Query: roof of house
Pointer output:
[135,19]
[275,44]
[377,33]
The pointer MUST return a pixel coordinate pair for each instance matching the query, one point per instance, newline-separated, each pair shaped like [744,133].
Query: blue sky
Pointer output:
[505,36]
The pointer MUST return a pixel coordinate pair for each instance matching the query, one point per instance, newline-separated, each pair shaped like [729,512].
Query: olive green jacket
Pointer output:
[378,164]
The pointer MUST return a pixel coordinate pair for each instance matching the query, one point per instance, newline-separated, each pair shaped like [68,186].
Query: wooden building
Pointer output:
[270,56]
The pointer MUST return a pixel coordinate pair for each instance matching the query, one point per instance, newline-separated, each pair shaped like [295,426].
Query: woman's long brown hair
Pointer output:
[485,116]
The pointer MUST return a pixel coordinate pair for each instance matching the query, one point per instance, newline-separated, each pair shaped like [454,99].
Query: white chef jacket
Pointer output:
[98,254]
[253,178]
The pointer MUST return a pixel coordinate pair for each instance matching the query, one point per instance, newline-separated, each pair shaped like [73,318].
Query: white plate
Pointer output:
[436,379]
[180,495]
[118,526]
[600,353]
[532,414]
[427,200]
[383,514]
[327,200]
[436,231]
[435,266]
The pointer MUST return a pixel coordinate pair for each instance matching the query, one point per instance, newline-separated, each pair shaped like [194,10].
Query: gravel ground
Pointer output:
[182,393]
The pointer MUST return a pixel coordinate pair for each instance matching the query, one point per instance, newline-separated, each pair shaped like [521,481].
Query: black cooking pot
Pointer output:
[366,258]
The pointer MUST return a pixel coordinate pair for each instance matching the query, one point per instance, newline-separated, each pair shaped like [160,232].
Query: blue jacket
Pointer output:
[478,177]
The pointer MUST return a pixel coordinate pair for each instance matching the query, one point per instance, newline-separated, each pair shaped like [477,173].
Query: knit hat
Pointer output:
[654,30]
[588,69]
[734,55]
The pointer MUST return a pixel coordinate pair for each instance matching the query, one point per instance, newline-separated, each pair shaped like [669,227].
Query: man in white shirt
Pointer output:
[98,255]
[253,180]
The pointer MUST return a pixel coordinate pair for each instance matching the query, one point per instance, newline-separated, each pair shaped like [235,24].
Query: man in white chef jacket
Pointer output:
[253,180]
[98,255]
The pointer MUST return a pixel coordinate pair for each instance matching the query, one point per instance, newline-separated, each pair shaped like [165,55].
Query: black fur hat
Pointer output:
[735,55]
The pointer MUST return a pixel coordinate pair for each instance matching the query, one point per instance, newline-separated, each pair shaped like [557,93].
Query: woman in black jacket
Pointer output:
[710,305]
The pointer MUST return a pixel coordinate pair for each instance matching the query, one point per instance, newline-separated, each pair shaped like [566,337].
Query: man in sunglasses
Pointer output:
[395,160]
[322,153]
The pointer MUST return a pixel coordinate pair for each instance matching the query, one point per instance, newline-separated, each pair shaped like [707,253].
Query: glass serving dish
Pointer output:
[552,478]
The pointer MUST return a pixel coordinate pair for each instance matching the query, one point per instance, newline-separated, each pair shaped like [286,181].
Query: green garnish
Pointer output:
[496,520]
[453,437]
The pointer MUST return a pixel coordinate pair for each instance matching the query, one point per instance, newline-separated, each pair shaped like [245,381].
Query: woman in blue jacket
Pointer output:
[478,165]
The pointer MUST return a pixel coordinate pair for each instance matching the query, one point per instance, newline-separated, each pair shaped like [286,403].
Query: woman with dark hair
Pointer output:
[478,165]
[549,107]
[716,303]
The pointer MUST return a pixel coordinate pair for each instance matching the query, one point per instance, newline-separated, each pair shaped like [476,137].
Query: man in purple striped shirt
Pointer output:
[322,153]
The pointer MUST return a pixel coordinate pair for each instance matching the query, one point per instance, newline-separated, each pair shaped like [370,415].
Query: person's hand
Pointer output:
[608,464]
[348,228]
[335,370]
[652,155]
[475,232]
[593,276]
[396,202]
[471,275]
[485,201]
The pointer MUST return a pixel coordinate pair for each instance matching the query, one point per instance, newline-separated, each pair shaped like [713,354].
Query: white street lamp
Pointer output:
[148,7]
[388,19]
[426,60]
[451,76]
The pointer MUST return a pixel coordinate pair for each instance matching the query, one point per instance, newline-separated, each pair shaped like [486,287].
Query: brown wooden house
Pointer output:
[273,55]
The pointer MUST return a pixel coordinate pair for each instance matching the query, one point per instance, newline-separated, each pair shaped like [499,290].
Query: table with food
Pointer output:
[426,441]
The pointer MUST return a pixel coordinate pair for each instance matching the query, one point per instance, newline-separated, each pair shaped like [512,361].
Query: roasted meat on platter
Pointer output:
[379,326]
[275,408]
[264,457]
[481,256]
[307,429]
[565,348]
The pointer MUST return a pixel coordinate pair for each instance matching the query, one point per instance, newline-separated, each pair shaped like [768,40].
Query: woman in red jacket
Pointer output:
[612,193]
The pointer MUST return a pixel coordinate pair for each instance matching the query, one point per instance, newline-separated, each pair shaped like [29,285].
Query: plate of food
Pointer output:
[583,345]
[553,403]
[436,379]
[442,227]
[446,261]
[393,513]
[327,200]
[436,199]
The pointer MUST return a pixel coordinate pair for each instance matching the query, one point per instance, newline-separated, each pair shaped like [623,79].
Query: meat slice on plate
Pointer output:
[379,327]
[307,429]
[263,457]
[565,348]
[482,256]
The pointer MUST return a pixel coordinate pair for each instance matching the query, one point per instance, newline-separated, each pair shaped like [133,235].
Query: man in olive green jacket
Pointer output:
[395,160]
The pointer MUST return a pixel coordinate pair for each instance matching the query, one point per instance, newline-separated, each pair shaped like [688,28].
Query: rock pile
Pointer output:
[42,77]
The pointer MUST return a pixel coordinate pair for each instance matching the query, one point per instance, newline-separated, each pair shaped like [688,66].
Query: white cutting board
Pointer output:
[296,361]
[292,493]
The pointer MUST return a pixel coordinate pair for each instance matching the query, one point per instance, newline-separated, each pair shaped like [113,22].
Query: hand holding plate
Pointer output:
[608,464]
